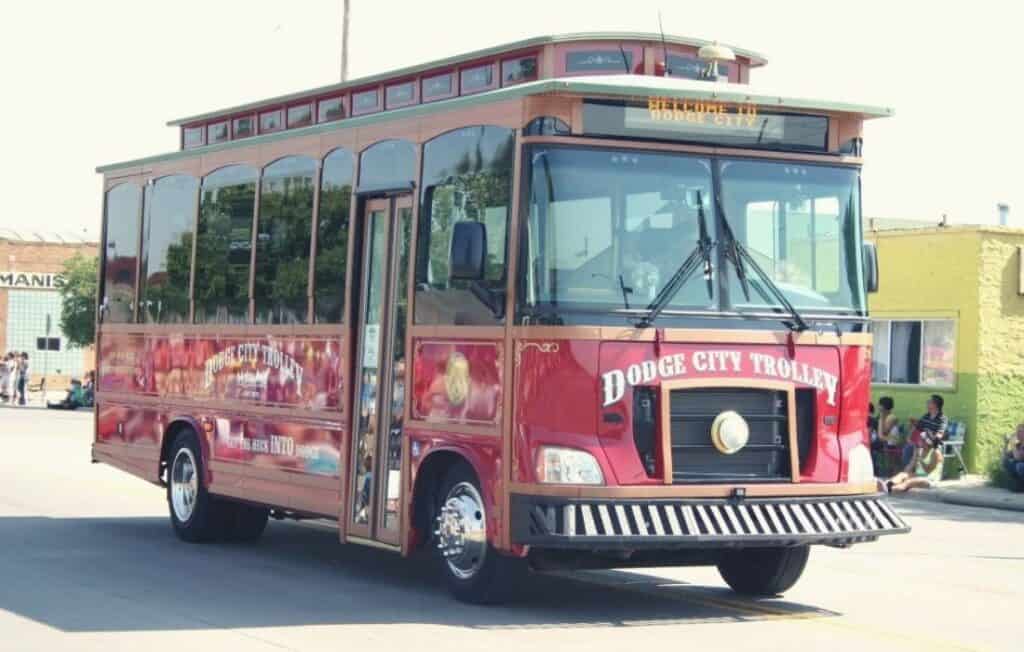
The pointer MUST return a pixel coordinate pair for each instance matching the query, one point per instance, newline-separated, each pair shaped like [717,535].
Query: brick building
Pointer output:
[30,273]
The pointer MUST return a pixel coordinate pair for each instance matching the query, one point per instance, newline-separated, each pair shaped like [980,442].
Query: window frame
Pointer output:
[341,99]
[210,126]
[517,60]
[252,131]
[308,105]
[376,108]
[495,77]
[280,121]
[201,129]
[453,87]
[920,358]
[412,83]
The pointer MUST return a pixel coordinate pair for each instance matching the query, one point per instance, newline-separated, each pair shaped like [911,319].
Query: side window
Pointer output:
[332,238]
[121,252]
[168,225]
[467,176]
[224,245]
[387,165]
[284,229]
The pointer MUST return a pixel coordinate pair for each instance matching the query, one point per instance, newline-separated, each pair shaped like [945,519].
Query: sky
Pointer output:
[91,83]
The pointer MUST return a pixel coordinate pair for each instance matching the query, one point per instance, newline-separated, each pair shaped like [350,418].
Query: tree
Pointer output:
[78,300]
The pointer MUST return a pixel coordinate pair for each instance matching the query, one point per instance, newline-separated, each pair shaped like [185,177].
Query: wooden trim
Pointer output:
[693,491]
[446,427]
[665,429]
[706,150]
[429,331]
[744,383]
[139,240]
[309,331]
[190,406]
[255,240]
[192,258]
[509,466]
[689,335]
[314,224]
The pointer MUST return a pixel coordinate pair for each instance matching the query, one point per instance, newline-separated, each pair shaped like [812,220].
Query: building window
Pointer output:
[270,121]
[438,87]
[474,80]
[47,344]
[365,102]
[243,127]
[330,110]
[400,95]
[193,137]
[514,71]
[914,352]
[300,116]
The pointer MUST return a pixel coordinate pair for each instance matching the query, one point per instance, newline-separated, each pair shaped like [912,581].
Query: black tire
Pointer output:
[204,519]
[243,523]
[494,577]
[763,571]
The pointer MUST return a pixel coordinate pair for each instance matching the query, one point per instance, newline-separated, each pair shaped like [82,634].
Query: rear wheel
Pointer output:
[242,522]
[474,571]
[763,571]
[194,512]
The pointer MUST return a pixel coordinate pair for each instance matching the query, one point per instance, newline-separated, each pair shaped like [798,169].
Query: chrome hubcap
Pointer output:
[462,530]
[184,485]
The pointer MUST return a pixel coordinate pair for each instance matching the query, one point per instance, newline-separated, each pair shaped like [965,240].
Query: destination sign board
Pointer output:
[707,122]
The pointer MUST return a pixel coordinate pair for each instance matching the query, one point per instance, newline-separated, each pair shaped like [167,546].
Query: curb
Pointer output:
[951,498]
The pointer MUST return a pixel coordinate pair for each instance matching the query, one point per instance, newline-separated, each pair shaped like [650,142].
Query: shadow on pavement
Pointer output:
[132,574]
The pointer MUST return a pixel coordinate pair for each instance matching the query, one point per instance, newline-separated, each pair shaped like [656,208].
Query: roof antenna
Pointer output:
[664,49]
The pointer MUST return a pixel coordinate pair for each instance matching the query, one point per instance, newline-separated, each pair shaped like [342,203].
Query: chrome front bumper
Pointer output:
[545,521]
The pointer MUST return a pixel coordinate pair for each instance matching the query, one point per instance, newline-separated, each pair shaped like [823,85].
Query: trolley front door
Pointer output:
[375,490]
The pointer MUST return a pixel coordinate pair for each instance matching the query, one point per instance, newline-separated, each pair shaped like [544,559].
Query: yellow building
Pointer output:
[949,319]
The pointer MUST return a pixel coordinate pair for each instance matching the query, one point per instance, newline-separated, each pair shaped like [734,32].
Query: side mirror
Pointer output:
[870,267]
[468,254]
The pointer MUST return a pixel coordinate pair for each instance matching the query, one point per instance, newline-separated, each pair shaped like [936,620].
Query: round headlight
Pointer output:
[729,432]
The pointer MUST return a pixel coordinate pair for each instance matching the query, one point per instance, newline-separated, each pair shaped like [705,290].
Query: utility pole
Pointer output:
[344,40]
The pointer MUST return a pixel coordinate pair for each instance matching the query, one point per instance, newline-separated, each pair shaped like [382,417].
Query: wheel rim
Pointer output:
[462,531]
[184,485]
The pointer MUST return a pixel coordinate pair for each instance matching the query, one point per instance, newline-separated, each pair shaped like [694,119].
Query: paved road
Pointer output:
[88,562]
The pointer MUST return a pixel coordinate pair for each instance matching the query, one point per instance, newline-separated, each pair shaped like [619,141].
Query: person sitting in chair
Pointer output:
[933,423]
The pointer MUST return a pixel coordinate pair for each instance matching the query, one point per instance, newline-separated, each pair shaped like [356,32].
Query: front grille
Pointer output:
[549,521]
[694,456]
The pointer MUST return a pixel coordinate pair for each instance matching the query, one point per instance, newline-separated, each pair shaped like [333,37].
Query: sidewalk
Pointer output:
[971,490]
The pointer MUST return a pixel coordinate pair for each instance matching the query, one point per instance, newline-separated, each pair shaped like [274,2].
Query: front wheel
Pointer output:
[763,571]
[474,571]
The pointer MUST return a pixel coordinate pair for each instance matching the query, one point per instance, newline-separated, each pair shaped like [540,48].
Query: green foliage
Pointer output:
[78,300]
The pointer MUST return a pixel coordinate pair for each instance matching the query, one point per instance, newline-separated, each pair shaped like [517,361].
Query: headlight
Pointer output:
[860,470]
[567,466]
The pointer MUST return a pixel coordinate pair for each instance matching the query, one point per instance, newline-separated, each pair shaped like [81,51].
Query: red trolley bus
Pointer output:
[587,300]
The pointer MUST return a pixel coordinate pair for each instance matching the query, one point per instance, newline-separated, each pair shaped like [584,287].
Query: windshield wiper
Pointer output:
[700,256]
[736,253]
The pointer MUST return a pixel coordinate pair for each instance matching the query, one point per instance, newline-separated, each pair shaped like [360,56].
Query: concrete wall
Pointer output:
[1001,341]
